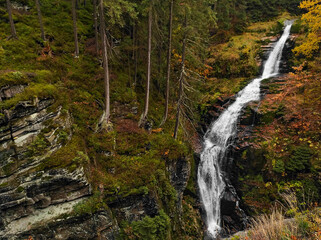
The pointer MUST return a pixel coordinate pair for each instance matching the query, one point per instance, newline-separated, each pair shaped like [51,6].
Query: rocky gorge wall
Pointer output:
[39,198]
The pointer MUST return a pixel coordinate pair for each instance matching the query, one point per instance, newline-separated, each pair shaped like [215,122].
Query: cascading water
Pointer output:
[222,133]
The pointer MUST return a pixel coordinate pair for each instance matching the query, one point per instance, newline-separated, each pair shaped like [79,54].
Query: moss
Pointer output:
[31,92]
[165,191]
[169,148]
[131,143]
[20,189]
[69,155]
[4,185]
[81,159]
[13,78]
[9,168]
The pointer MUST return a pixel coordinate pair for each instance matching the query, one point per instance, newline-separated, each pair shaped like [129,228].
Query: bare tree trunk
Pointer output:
[135,53]
[74,18]
[13,29]
[40,20]
[169,53]
[181,81]
[96,27]
[105,62]
[150,19]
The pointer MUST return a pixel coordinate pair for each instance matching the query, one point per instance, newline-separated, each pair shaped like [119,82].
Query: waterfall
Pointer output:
[222,133]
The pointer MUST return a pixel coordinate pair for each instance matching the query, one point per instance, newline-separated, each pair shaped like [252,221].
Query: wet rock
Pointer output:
[250,115]
[213,112]
[179,172]
[233,217]
[134,207]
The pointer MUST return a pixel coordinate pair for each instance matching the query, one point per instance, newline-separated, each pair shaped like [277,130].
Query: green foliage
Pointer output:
[148,228]
[90,205]
[236,58]
[296,27]
[303,226]
[33,91]
[62,137]
[279,166]
[69,156]
[102,142]
[9,168]
[13,78]
[169,148]
[38,146]
[299,160]
[81,159]
[259,10]
[309,193]
[165,190]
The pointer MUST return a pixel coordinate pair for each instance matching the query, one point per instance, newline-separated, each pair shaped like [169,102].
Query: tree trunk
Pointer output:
[169,53]
[135,54]
[96,27]
[74,18]
[150,19]
[181,81]
[40,20]
[105,61]
[13,29]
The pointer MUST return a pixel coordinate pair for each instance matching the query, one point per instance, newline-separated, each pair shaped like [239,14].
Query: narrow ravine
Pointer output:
[222,133]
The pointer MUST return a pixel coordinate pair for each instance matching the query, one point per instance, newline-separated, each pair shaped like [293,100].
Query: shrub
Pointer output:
[299,160]
[148,228]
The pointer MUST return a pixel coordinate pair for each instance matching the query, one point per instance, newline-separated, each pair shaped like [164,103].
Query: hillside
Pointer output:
[72,168]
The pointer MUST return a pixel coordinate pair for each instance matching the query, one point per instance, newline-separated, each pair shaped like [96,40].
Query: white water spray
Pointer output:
[222,133]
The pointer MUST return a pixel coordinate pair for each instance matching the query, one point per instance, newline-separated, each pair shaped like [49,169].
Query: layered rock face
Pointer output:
[32,199]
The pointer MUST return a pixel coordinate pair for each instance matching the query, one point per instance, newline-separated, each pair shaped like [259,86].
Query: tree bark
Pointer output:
[96,27]
[181,81]
[169,53]
[105,61]
[135,53]
[74,18]
[13,29]
[40,20]
[150,19]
